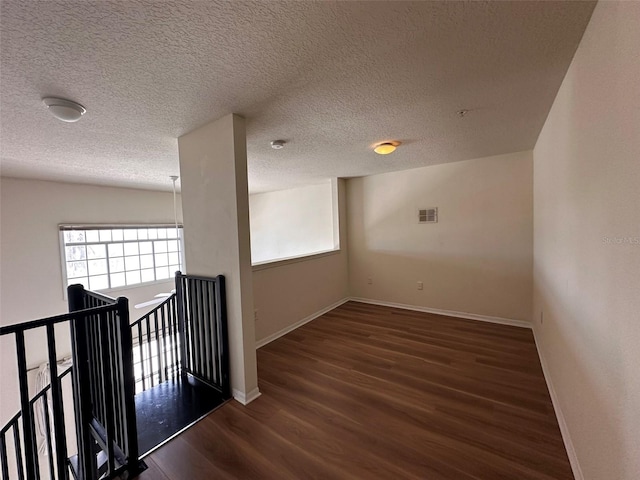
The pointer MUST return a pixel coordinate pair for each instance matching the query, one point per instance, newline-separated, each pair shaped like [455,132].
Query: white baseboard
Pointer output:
[246,398]
[564,430]
[299,323]
[448,313]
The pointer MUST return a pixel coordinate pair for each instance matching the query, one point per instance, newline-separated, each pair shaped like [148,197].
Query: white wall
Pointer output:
[587,246]
[213,167]
[30,265]
[289,223]
[478,257]
[289,291]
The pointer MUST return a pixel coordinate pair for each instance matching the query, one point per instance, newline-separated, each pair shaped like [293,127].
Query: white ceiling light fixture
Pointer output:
[65,110]
[386,148]
[277,144]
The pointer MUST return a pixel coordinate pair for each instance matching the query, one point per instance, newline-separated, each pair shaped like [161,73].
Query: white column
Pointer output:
[215,207]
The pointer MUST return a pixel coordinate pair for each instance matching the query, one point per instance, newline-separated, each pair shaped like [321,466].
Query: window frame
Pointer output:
[62,228]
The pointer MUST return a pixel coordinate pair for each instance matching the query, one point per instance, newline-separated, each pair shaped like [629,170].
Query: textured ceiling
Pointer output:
[331,78]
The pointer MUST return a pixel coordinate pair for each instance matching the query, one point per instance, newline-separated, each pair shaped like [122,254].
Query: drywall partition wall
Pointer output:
[213,169]
[288,292]
[30,264]
[290,223]
[477,259]
[587,247]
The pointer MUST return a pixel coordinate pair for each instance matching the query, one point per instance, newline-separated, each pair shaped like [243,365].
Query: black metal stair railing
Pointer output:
[180,360]
[185,336]
[26,463]
[202,324]
[103,387]
[156,346]
[54,440]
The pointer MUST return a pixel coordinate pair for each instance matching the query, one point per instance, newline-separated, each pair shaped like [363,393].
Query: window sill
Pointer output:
[280,262]
[111,291]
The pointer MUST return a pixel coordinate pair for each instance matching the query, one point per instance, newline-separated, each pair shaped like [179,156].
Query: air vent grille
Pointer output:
[428,215]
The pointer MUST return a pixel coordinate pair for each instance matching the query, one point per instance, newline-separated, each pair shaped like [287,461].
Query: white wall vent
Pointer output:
[428,215]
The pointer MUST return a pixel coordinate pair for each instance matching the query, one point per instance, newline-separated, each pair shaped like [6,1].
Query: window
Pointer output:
[104,257]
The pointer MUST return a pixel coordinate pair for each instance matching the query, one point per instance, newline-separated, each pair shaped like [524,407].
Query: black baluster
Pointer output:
[221,320]
[28,428]
[3,456]
[18,446]
[58,412]
[47,419]
[129,385]
[107,387]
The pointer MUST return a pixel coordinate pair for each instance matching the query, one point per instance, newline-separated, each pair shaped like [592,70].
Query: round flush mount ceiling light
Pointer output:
[277,144]
[386,148]
[64,110]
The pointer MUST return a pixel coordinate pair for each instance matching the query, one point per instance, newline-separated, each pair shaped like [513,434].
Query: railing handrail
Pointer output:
[33,400]
[148,315]
[102,365]
[103,384]
[190,331]
[202,320]
[197,277]
[43,322]
[101,296]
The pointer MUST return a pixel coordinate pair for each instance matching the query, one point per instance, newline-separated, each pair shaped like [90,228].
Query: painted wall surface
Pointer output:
[30,264]
[587,246]
[476,259]
[213,169]
[289,223]
[287,292]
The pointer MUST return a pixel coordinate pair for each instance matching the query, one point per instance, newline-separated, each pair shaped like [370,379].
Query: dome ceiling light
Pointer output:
[386,148]
[277,144]
[65,110]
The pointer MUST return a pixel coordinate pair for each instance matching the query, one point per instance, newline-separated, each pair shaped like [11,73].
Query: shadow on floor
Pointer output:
[168,408]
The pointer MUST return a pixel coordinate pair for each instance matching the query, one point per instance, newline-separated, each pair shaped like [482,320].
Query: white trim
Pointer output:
[448,313]
[246,398]
[113,292]
[562,423]
[63,264]
[299,323]
[280,262]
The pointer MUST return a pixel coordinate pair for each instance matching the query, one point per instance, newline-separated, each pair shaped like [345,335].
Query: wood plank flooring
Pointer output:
[370,392]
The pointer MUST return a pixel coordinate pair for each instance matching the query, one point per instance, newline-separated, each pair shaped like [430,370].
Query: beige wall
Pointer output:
[477,259]
[293,222]
[288,292]
[30,264]
[587,245]
[213,169]
[30,212]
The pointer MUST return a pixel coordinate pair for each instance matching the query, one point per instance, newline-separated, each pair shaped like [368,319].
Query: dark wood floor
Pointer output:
[369,392]
[164,410]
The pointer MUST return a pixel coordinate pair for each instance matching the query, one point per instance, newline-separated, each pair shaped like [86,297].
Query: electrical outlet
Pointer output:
[255,315]
[369,280]
[420,285]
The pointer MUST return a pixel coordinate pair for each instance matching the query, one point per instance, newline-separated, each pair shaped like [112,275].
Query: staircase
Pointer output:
[134,386]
